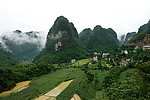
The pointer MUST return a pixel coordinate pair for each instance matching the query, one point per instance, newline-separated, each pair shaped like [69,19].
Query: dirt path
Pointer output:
[75,97]
[51,95]
[19,86]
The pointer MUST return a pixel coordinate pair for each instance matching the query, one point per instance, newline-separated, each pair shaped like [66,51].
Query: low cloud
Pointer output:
[20,38]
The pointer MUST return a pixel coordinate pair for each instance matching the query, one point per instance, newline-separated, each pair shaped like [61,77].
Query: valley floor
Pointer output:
[41,85]
[88,82]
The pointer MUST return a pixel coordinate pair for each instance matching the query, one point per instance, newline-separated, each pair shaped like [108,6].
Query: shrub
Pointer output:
[10,76]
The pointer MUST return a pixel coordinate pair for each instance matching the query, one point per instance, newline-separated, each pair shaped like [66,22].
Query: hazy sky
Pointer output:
[39,15]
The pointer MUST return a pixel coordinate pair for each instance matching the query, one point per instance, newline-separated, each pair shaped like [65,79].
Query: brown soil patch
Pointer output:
[17,87]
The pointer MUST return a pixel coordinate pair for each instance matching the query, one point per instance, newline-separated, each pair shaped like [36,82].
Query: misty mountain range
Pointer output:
[63,43]
[6,58]
[23,45]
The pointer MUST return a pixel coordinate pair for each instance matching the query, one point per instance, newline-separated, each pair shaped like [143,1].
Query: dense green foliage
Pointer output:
[62,43]
[116,83]
[99,39]
[137,38]
[10,76]
[127,82]
[123,83]
[6,59]
[84,35]
[60,57]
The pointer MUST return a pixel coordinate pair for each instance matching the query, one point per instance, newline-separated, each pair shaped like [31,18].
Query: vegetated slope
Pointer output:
[42,84]
[23,45]
[99,39]
[143,35]
[62,43]
[100,82]
[21,72]
[145,28]
[140,38]
[128,37]
[122,83]
[6,59]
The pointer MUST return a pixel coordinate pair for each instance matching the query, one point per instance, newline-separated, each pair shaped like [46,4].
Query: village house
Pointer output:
[105,55]
[146,47]
[125,62]
[73,61]
[138,47]
[90,63]
[124,51]
[95,59]
[96,53]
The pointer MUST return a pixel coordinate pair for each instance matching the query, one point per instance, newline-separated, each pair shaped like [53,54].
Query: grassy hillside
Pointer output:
[43,84]
[82,62]
[99,83]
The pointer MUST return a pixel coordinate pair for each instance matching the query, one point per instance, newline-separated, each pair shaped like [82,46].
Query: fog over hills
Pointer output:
[23,45]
